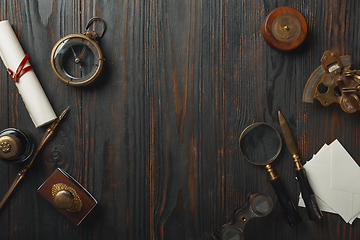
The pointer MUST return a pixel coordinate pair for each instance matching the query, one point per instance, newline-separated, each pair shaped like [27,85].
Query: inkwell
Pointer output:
[15,145]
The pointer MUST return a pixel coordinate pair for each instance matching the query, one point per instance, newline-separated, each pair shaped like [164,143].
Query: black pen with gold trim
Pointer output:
[307,193]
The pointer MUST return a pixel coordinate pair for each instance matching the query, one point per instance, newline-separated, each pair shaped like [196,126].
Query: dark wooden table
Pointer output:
[155,140]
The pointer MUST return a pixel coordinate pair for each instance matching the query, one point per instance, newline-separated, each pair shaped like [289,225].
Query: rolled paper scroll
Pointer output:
[27,83]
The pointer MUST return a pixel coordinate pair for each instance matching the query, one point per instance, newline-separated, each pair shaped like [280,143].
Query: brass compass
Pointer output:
[284,29]
[77,59]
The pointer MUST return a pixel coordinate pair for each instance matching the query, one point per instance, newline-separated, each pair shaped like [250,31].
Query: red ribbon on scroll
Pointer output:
[20,70]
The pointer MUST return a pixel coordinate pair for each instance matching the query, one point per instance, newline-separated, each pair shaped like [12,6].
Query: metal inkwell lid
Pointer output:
[9,147]
[15,145]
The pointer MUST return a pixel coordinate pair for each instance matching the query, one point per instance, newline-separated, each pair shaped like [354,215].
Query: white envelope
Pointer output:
[344,168]
[332,174]
[322,205]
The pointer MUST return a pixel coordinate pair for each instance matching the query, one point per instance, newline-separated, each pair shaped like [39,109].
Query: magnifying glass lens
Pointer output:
[260,143]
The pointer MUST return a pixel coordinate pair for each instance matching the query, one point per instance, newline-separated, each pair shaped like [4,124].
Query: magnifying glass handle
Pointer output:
[308,195]
[286,203]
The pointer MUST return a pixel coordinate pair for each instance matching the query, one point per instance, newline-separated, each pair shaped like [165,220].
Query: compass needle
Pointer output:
[82,52]
[77,59]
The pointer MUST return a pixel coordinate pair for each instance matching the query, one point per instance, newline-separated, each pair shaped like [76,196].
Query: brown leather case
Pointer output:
[88,201]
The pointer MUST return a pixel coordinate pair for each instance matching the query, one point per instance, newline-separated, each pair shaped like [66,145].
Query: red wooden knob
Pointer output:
[284,29]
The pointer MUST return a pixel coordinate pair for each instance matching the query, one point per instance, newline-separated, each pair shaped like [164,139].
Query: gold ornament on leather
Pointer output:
[66,198]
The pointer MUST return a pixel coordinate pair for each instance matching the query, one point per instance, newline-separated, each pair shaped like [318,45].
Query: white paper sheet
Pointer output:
[322,205]
[332,174]
[28,86]
[344,170]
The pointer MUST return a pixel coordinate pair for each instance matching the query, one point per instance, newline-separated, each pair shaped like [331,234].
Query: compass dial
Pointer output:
[77,60]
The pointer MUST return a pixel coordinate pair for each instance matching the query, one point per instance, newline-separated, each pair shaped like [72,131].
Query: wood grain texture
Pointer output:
[155,140]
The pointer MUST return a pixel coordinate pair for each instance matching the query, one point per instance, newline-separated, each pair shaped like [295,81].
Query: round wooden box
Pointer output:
[284,29]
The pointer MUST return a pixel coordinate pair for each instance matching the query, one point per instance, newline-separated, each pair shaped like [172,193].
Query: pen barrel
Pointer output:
[11,189]
[286,203]
[308,196]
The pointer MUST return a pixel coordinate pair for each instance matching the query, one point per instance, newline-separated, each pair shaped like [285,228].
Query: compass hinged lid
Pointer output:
[284,28]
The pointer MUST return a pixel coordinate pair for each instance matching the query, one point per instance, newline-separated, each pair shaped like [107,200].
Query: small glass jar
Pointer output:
[15,145]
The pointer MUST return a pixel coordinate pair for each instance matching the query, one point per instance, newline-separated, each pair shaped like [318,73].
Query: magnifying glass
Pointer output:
[260,144]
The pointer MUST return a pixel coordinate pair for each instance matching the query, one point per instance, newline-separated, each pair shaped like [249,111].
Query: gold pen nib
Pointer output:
[63,113]
[289,140]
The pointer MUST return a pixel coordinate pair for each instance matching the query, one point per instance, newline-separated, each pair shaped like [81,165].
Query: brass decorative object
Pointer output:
[334,82]
[77,59]
[9,146]
[66,198]
[16,145]
[286,27]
